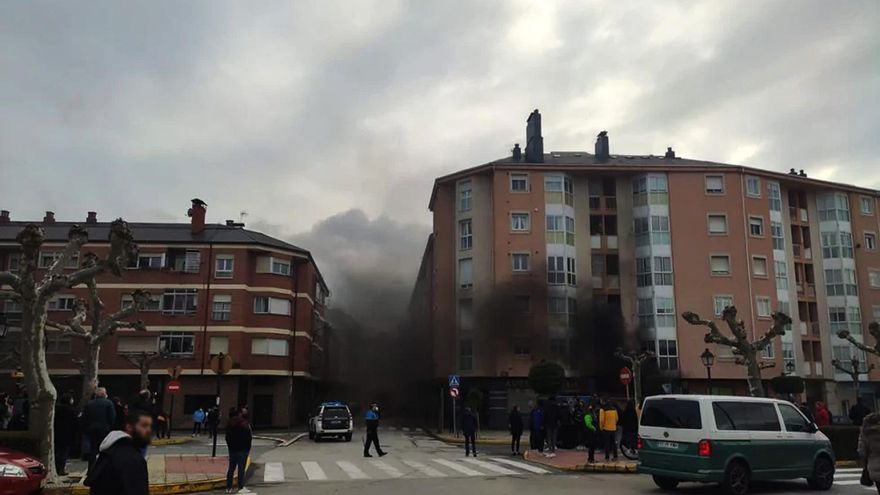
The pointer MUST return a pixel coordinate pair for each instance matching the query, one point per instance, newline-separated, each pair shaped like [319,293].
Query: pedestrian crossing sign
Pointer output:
[454,381]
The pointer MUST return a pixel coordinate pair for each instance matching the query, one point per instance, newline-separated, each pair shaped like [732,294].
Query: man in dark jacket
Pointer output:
[515,425]
[65,427]
[469,430]
[551,425]
[858,412]
[98,419]
[120,468]
[238,441]
[143,402]
[120,413]
[371,418]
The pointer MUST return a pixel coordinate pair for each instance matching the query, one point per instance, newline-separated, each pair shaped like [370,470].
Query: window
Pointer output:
[763,306]
[667,355]
[554,223]
[781,271]
[177,343]
[269,347]
[645,310]
[222,307]
[557,305]
[57,344]
[271,305]
[558,347]
[662,270]
[769,352]
[553,183]
[279,266]
[833,206]
[519,182]
[643,272]
[519,222]
[759,266]
[61,303]
[223,266]
[13,263]
[672,414]
[126,344]
[665,312]
[775,196]
[466,314]
[642,231]
[753,186]
[845,318]
[745,416]
[874,278]
[778,236]
[571,271]
[466,355]
[466,273]
[521,351]
[658,191]
[187,261]
[841,282]
[830,245]
[153,304]
[659,229]
[875,311]
[717,224]
[715,184]
[867,205]
[846,245]
[569,231]
[756,226]
[218,345]
[719,264]
[149,261]
[520,262]
[870,241]
[465,195]
[179,301]
[556,270]
[788,352]
[793,420]
[49,257]
[721,303]
[465,235]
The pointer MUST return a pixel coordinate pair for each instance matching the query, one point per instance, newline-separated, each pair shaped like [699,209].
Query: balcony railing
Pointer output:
[798,214]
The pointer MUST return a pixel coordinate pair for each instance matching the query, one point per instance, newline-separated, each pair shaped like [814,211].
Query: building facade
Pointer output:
[651,237]
[214,288]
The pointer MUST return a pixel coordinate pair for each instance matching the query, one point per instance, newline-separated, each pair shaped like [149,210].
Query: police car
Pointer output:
[331,419]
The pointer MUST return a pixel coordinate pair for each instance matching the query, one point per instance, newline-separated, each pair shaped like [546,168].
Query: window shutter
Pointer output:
[193,259]
[279,306]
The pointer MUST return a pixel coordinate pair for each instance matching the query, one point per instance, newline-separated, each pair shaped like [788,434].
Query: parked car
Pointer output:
[731,441]
[19,473]
[331,419]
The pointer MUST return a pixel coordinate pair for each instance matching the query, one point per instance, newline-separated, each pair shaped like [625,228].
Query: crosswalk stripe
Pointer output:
[521,465]
[273,472]
[351,470]
[387,468]
[458,467]
[425,470]
[848,470]
[490,467]
[313,470]
[847,482]
[847,475]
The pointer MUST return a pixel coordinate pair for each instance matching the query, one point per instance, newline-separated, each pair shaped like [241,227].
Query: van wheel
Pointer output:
[318,438]
[736,478]
[311,435]
[665,483]
[348,437]
[823,474]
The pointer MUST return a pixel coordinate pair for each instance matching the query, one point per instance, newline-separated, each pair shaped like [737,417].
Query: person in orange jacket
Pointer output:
[608,427]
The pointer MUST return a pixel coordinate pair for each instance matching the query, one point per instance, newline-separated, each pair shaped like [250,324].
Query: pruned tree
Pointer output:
[34,295]
[745,349]
[873,330]
[143,361]
[635,360]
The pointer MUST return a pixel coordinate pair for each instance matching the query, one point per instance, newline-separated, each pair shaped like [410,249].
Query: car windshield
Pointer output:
[672,413]
[335,413]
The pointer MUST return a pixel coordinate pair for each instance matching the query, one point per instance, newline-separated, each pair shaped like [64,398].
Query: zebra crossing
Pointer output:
[850,477]
[388,468]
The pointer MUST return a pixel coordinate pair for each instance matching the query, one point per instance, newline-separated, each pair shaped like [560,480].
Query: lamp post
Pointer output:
[708,361]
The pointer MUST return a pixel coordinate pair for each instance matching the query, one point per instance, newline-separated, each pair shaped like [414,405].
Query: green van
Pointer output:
[731,441]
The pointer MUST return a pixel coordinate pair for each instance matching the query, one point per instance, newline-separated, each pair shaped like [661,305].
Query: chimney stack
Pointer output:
[92,217]
[534,139]
[802,173]
[4,216]
[197,214]
[49,218]
[516,152]
[602,152]
[669,153]
[792,172]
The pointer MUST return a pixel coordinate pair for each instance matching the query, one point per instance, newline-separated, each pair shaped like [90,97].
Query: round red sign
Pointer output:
[173,387]
[625,376]
[453,392]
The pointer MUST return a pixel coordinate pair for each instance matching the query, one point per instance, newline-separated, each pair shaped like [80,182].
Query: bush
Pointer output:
[547,378]
[844,441]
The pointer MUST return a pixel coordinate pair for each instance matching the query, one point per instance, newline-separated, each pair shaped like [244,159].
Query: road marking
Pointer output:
[273,472]
[352,471]
[387,468]
[313,470]
[425,470]
[458,467]
[848,482]
[490,467]
[521,465]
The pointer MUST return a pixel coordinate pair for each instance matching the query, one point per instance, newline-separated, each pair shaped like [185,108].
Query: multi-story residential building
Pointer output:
[214,288]
[652,236]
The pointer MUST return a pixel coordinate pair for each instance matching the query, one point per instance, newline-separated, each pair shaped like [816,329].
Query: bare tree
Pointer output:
[635,360]
[34,296]
[745,349]
[143,361]
[855,370]
[874,330]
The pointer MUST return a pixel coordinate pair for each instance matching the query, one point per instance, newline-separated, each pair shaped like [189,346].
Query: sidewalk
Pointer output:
[576,460]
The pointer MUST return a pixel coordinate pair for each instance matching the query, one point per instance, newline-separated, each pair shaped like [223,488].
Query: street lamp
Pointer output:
[708,361]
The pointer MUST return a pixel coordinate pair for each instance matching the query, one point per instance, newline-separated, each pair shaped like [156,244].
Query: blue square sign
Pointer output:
[454,381]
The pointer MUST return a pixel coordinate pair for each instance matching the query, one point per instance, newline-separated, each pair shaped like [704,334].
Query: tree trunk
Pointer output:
[637,381]
[41,391]
[89,374]
[756,385]
[145,374]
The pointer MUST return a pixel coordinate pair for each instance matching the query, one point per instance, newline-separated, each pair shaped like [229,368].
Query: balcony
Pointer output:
[798,214]
[806,290]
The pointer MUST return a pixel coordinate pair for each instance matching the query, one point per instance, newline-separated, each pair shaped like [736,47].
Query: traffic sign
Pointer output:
[174,372]
[453,392]
[625,376]
[221,363]
[173,387]
[454,381]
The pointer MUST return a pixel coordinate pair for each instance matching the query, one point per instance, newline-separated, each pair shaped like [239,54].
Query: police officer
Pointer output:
[372,421]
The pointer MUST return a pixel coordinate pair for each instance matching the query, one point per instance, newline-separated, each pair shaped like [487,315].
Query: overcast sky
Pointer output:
[329,120]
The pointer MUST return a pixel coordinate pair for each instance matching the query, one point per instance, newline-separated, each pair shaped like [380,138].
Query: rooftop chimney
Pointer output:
[802,173]
[4,216]
[792,172]
[92,217]
[534,139]
[517,153]
[197,214]
[669,152]
[49,218]
[602,152]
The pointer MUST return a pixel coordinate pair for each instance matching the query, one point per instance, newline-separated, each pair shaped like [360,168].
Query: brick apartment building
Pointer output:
[653,236]
[214,288]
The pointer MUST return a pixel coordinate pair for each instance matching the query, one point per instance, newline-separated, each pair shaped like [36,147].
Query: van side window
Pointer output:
[672,413]
[793,419]
[745,416]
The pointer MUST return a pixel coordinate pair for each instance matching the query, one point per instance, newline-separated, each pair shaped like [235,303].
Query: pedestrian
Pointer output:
[66,431]
[808,412]
[469,430]
[372,422]
[869,447]
[238,441]
[536,428]
[5,411]
[98,419]
[823,415]
[212,419]
[858,412]
[21,407]
[120,413]
[551,425]
[199,417]
[515,425]
[608,429]
[591,433]
[629,423]
[120,468]
[580,430]
[162,424]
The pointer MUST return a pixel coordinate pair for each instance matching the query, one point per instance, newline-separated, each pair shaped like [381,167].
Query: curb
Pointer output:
[174,488]
[288,443]
[460,440]
[158,442]
[597,467]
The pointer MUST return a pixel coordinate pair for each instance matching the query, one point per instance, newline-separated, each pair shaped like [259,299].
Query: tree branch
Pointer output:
[10,279]
[714,336]
[846,335]
[76,237]
[780,321]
